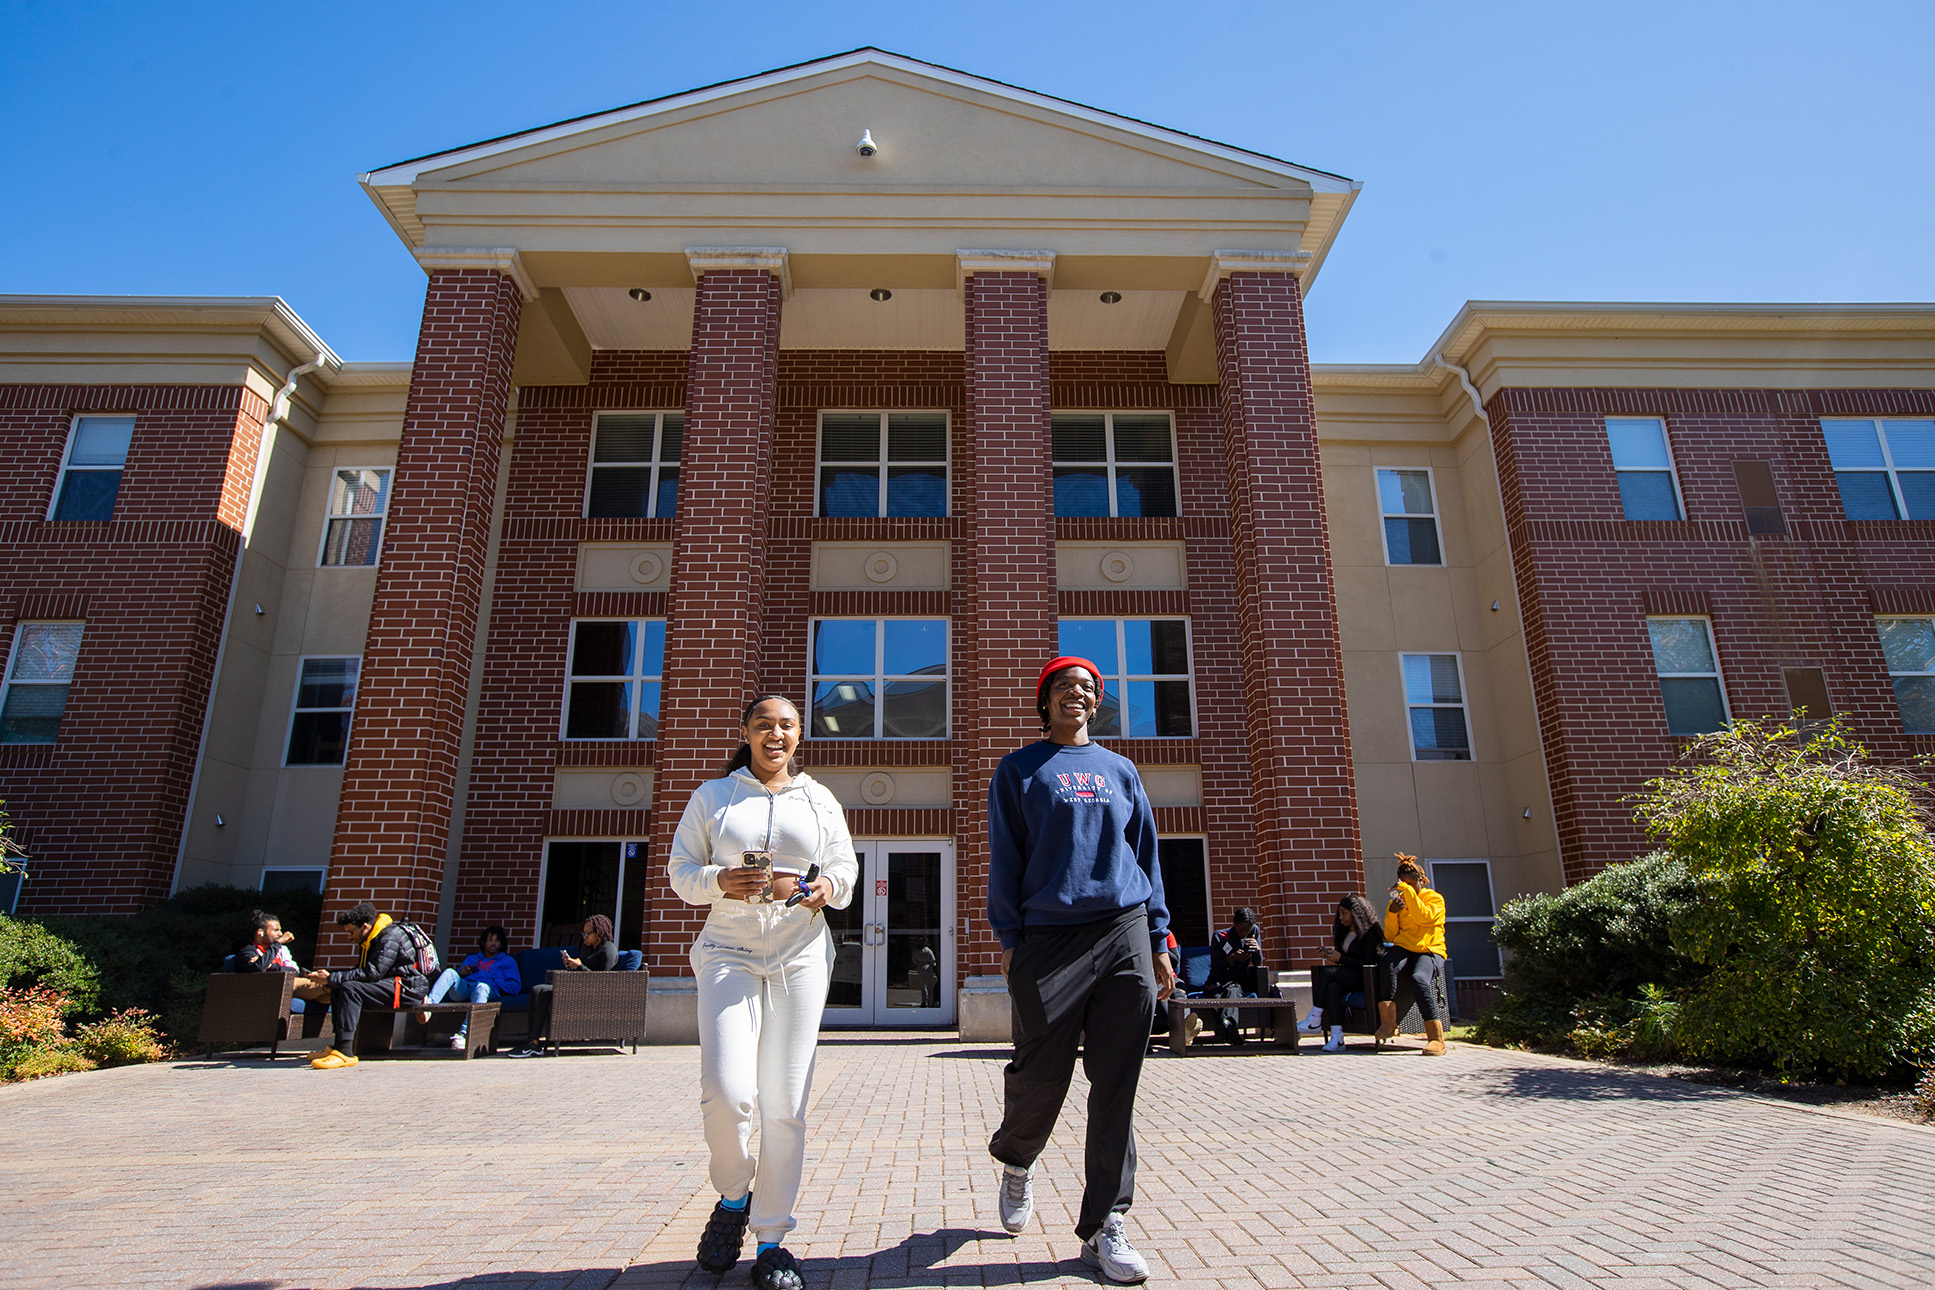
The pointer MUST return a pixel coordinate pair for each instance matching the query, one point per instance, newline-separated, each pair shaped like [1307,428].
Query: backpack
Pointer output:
[424,950]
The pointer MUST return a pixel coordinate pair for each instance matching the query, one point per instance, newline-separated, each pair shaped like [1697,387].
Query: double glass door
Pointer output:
[894,943]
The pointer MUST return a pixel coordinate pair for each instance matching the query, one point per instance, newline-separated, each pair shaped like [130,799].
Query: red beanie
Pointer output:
[1067,660]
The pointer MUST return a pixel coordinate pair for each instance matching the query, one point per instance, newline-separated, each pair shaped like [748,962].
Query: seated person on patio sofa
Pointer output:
[597,952]
[385,976]
[1235,954]
[1357,942]
[269,952]
[488,974]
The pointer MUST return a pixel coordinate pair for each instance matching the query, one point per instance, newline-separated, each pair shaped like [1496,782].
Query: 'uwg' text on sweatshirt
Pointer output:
[1071,840]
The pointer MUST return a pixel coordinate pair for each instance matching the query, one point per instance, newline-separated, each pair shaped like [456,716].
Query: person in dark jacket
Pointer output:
[385,975]
[597,952]
[1235,962]
[269,952]
[1357,942]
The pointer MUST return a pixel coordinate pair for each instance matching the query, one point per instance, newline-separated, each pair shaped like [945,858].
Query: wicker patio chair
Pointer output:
[254,1008]
[597,1007]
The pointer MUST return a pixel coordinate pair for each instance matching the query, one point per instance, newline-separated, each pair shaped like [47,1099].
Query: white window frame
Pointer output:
[1117,684]
[295,698]
[1436,517]
[1109,461]
[1491,894]
[67,455]
[882,465]
[1672,466]
[1463,705]
[13,660]
[880,677]
[630,851]
[1892,674]
[332,516]
[1718,674]
[1879,426]
[636,678]
[657,463]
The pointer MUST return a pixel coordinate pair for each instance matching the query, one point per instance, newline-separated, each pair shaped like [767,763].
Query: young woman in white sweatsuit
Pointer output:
[762,973]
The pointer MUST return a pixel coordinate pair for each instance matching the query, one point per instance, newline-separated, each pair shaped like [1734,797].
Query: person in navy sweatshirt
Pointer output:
[1075,895]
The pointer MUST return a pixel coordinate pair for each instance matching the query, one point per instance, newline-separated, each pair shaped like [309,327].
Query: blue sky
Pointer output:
[1691,151]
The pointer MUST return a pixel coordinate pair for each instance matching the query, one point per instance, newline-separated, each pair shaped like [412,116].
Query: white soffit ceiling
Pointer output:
[848,318]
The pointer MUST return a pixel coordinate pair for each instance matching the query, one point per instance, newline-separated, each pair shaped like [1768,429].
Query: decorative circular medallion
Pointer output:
[1118,566]
[877,789]
[628,789]
[647,568]
[881,566]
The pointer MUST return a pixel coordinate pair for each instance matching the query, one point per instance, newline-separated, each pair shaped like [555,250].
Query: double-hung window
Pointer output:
[1909,646]
[883,463]
[635,465]
[1114,463]
[1410,517]
[1885,469]
[879,678]
[1466,886]
[38,674]
[1434,699]
[1648,489]
[90,476]
[614,678]
[319,724]
[359,499]
[1146,684]
[1689,675]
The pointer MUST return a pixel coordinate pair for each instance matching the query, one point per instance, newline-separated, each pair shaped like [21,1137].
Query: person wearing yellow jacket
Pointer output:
[1414,923]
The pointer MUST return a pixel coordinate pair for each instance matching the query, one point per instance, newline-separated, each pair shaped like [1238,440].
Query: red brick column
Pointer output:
[1302,787]
[399,780]
[712,637]
[1014,564]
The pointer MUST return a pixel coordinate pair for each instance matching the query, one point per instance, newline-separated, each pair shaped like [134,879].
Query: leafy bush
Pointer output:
[125,1039]
[1925,1093]
[60,1059]
[31,1025]
[1815,902]
[33,955]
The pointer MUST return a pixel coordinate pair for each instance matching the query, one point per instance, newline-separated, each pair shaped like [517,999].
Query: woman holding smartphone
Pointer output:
[767,849]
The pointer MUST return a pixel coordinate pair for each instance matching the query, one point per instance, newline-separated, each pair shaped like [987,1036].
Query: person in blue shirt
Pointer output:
[1075,896]
[488,974]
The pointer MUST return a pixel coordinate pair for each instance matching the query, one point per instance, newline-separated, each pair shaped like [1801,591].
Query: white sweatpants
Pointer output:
[759,1026]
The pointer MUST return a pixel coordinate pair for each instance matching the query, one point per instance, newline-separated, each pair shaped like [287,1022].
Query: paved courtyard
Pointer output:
[1484,1169]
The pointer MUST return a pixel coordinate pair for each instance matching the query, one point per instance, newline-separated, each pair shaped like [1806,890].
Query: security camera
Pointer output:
[866,147]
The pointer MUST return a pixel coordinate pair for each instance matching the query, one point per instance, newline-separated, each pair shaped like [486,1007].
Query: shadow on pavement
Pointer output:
[921,1257]
[1589,1085]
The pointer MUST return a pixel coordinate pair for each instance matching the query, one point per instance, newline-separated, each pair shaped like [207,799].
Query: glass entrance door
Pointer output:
[894,944]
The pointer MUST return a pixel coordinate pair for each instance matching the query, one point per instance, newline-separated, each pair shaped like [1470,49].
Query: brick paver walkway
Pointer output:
[585,1172]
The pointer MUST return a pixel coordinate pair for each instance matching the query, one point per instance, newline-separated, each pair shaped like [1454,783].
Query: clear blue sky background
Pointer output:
[1765,151]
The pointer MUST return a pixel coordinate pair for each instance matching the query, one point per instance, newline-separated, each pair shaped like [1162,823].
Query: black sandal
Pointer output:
[724,1237]
[777,1269]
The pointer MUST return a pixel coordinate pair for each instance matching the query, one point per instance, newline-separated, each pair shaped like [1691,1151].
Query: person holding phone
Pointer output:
[1414,923]
[767,849]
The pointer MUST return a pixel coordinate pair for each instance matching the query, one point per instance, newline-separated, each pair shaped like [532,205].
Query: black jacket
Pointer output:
[1365,951]
[390,954]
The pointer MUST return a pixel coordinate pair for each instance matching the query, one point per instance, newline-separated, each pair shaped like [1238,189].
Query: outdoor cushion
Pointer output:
[1195,969]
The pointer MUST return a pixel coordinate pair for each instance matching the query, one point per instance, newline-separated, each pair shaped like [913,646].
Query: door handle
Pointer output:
[876,933]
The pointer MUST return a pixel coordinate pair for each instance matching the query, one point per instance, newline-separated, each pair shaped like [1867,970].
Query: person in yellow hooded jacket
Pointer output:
[1414,923]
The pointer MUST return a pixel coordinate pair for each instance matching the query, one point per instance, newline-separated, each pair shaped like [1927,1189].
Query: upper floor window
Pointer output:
[1648,489]
[635,465]
[1145,674]
[1114,463]
[90,476]
[1410,517]
[319,725]
[358,501]
[1885,469]
[1470,913]
[1909,646]
[1434,698]
[883,463]
[38,675]
[614,678]
[1689,676]
[879,678]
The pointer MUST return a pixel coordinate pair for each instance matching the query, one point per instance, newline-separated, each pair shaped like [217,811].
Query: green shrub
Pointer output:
[1925,1093]
[127,1038]
[59,1059]
[31,954]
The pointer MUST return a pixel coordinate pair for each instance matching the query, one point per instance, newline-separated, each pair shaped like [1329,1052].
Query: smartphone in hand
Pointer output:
[763,861]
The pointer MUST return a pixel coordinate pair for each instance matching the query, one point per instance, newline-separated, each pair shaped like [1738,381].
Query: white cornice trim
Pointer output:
[969,263]
[500,259]
[772,259]
[270,314]
[1626,318]
[1224,263]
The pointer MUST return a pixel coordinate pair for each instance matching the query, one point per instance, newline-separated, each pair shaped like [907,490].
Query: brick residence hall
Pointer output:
[711,399]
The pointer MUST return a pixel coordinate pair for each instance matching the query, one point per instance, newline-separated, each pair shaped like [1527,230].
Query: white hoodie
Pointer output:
[800,824]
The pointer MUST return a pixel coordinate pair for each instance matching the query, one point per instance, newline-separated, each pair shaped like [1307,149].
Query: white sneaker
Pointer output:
[1017,1197]
[458,1040]
[1109,1252]
[1336,1041]
[1192,1027]
[1313,1022]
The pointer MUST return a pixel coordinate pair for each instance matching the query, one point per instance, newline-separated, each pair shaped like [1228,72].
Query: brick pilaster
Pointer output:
[399,780]
[1014,563]
[713,628]
[1303,791]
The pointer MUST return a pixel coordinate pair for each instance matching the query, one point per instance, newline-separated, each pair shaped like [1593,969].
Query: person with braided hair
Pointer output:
[1414,923]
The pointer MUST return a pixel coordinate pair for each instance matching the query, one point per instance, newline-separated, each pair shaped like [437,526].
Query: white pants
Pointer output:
[759,1025]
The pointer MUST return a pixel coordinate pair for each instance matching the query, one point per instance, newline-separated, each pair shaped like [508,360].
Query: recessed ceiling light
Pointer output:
[639,294]
[880,293]
[1111,297]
